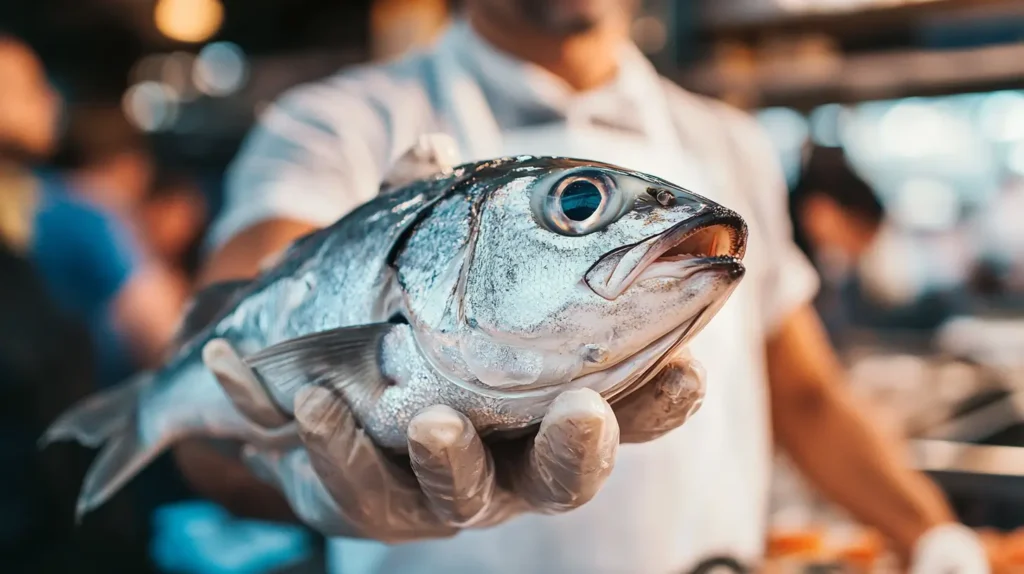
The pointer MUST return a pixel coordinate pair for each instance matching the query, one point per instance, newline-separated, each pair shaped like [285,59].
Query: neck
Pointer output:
[584,61]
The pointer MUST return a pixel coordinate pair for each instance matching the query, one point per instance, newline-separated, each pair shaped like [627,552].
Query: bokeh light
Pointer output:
[787,128]
[915,129]
[826,124]
[188,20]
[176,73]
[150,106]
[148,68]
[925,204]
[220,69]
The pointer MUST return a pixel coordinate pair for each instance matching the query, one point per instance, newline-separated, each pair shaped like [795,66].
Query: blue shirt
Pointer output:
[85,257]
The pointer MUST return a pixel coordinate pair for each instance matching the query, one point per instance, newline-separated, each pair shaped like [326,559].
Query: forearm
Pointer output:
[839,450]
[841,454]
[228,482]
[242,256]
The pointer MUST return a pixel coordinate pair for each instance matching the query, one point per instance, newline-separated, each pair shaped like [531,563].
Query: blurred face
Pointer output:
[29,108]
[560,16]
[831,227]
[172,222]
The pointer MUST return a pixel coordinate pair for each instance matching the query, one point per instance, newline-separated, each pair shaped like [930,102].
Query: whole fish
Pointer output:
[491,289]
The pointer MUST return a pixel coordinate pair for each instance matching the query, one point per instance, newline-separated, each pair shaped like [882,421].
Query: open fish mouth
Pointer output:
[712,241]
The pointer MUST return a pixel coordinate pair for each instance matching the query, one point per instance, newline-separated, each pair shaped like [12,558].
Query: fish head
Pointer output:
[589,274]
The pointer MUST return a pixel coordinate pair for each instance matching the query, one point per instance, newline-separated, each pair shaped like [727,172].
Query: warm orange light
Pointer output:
[188,20]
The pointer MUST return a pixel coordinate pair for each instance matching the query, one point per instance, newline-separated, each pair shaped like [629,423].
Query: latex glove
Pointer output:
[342,485]
[949,549]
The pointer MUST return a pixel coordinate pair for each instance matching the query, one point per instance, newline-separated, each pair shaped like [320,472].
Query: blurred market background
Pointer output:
[923,98]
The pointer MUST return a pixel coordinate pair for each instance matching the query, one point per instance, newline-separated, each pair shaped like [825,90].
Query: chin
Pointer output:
[41,147]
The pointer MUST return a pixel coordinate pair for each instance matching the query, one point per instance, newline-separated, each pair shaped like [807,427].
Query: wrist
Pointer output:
[929,513]
[907,535]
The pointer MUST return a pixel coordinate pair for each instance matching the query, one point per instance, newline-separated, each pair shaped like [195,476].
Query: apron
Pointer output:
[660,153]
[707,459]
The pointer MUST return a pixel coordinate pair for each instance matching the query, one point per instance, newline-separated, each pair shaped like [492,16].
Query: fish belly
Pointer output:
[417,385]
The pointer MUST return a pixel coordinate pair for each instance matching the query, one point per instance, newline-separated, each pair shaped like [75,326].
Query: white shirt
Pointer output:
[323,148]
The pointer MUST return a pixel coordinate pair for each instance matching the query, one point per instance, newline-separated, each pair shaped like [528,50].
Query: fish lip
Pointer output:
[619,269]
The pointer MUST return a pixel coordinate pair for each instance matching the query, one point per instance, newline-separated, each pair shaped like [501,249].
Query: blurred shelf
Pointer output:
[960,457]
[848,79]
[747,19]
[972,470]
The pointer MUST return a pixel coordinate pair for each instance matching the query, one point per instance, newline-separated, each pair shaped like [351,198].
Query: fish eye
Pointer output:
[578,203]
[581,199]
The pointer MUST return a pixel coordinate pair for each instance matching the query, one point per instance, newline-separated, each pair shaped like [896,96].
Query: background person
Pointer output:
[91,252]
[840,223]
[46,358]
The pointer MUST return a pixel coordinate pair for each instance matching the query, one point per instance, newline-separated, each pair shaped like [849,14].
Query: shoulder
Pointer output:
[65,212]
[323,147]
[368,110]
[389,89]
[739,125]
[65,219]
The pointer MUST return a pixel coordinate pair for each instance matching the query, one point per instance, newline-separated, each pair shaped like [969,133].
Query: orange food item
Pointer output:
[795,543]
[865,552]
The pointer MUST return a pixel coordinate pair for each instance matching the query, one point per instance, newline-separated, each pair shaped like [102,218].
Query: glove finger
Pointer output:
[241,385]
[572,454]
[378,497]
[664,403]
[292,473]
[455,471]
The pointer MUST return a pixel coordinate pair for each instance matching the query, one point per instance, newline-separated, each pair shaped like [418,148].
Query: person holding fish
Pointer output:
[482,370]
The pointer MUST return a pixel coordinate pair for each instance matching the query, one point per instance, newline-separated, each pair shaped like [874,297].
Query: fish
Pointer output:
[491,287]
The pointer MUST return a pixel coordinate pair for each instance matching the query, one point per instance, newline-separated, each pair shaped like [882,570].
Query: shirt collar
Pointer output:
[521,93]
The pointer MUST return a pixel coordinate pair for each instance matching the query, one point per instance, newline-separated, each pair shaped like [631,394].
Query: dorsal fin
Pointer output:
[206,305]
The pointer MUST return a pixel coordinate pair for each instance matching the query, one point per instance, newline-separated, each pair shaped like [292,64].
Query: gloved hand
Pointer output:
[340,484]
[949,549]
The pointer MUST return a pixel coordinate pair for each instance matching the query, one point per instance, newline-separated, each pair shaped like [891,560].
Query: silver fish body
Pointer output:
[490,289]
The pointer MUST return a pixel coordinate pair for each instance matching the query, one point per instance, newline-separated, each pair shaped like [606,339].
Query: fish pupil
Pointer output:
[581,199]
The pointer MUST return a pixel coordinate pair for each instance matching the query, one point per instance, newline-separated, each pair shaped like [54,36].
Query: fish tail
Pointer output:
[93,420]
[109,419]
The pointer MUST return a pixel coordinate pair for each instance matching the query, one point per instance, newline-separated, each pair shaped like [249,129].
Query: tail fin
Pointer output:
[109,419]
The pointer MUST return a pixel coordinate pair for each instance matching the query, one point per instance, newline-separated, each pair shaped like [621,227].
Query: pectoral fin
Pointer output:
[344,360]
